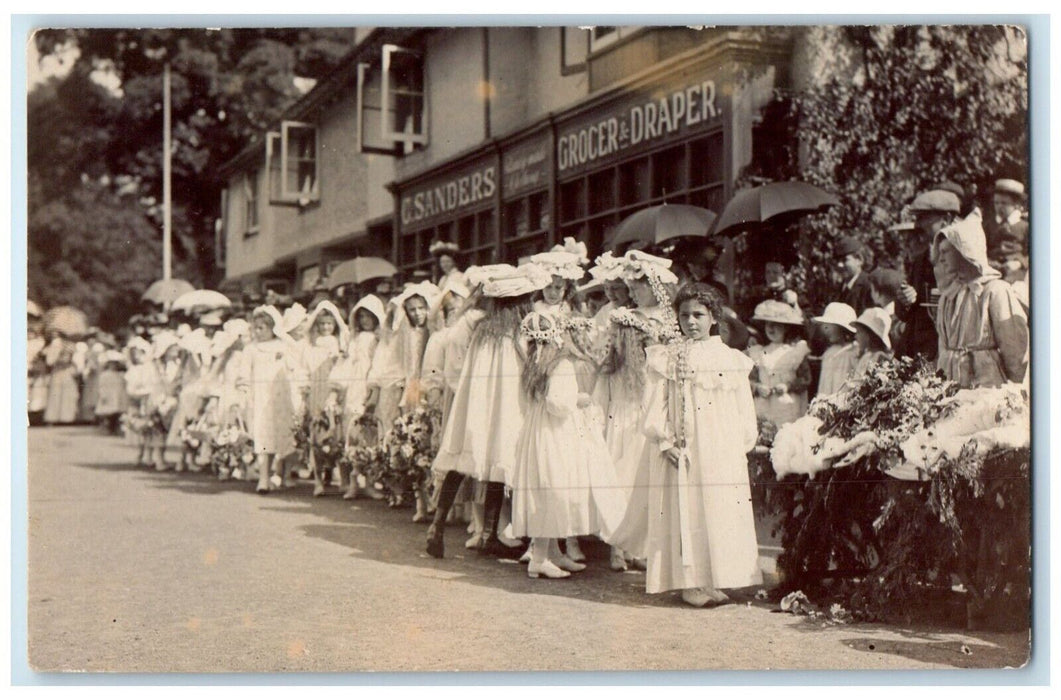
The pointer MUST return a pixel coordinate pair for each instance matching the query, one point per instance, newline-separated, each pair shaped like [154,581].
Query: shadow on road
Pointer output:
[372,530]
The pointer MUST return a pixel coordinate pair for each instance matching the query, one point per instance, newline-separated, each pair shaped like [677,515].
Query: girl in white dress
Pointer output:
[223,404]
[565,266]
[141,378]
[782,373]
[558,453]
[700,423]
[326,343]
[619,390]
[480,434]
[349,377]
[840,358]
[265,381]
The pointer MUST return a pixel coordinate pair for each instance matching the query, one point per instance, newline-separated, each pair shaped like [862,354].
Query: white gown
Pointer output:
[701,527]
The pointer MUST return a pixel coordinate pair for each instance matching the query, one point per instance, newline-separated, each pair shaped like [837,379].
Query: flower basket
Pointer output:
[363,452]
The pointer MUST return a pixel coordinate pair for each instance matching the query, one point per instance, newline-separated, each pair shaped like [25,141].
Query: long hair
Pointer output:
[502,319]
[625,358]
[542,359]
[702,294]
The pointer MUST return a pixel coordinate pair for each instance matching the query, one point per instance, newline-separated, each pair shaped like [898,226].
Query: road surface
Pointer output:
[136,571]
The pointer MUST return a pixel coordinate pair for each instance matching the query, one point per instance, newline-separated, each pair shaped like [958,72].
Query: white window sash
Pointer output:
[394,135]
[285,149]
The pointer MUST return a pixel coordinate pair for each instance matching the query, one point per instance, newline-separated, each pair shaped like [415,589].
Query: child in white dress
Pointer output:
[141,378]
[479,438]
[265,381]
[326,343]
[349,377]
[619,390]
[782,372]
[700,423]
[559,454]
[840,358]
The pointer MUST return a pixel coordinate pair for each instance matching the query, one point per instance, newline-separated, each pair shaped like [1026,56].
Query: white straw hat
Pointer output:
[878,322]
[772,311]
[838,314]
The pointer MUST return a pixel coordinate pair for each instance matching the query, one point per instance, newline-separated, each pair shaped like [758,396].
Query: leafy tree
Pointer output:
[893,110]
[93,150]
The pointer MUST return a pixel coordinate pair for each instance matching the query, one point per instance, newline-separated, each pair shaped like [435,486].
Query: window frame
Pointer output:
[252,199]
[566,68]
[401,137]
[220,233]
[298,196]
[612,39]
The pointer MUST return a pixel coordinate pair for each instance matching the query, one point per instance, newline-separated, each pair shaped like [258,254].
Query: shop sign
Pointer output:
[449,196]
[525,167]
[636,122]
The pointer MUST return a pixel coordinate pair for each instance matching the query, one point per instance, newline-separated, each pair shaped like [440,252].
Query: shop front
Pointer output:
[679,133]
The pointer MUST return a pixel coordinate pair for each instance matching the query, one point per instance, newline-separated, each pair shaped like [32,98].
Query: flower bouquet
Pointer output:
[411,444]
[882,489]
[233,452]
[363,453]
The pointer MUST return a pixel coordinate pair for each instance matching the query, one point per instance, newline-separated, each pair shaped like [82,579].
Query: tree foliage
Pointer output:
[96,151]
[892,110]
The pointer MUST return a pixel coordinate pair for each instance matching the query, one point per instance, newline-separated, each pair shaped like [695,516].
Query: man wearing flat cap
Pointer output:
[855,291]
[933,210]
[1007,232]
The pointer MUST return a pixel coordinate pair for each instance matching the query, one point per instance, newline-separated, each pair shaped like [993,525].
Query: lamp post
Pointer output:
[167,204]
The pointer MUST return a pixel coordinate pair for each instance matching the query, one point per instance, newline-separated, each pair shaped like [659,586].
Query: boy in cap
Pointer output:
[855,291]
[1007,232]
[933,210]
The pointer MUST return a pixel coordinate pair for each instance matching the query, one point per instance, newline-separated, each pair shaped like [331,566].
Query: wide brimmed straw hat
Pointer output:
[838,314]
[607,268]
[561,263]
[772,311]
[637,263]
[481,274]
[211,320]
[525,279]
[878,322]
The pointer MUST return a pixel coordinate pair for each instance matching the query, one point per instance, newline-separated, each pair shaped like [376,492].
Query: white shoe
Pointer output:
[237,474]
[618,561]
[697,597]
[574,551]
[568,564]
[546,569]
[473,541]
[276,481]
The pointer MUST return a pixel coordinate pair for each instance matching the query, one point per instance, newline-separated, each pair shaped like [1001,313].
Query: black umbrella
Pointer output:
[760,204]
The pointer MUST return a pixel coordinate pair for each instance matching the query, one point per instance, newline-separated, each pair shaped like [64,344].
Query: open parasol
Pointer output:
[358,270]
[660,223]
[166,291]
[202,299]
[760,204]
[66,320]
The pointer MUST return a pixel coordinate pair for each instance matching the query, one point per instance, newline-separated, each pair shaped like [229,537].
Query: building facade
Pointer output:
[502,140]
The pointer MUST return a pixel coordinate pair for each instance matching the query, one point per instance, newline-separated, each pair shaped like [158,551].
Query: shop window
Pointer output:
[669,174]
[705,160]
[298,162]
[602,195]
[250,203]
[635,180]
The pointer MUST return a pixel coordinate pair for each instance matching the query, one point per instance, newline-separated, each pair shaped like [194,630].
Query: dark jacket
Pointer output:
[858,297]
[916,334]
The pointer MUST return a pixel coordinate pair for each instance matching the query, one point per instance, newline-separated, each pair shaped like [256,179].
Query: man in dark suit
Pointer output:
[855,291]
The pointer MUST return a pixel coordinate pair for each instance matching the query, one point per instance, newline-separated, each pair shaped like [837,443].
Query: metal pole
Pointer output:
[167,204]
